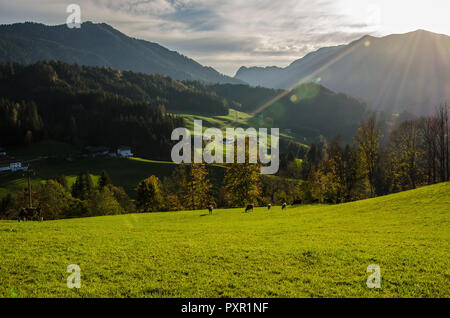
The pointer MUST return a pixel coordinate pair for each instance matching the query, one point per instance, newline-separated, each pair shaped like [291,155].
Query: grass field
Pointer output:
[306,251]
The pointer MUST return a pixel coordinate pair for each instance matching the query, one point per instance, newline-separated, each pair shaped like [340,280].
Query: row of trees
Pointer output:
[415,153]
[191,187]
[57,200]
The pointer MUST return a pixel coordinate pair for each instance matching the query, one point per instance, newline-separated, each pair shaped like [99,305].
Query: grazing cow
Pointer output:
[297,202]
[30,214]
[210,209]
[283,206]
[269,206]
[249,207]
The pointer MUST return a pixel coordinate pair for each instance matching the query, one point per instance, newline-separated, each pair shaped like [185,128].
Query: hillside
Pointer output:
[22,82]
[311,110]
[306,251]
[99,45]
[48,159]
[305,112]
[396,73]
[66,95]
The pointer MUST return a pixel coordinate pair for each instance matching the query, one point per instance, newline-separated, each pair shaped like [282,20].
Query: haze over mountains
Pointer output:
[394,73]
[99,45]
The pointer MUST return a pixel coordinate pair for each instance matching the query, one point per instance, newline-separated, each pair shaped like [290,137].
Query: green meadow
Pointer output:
[304,251]
[245,121]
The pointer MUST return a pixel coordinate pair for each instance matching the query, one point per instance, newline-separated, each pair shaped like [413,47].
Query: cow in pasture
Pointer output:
[283,206]
[210,209]
[249,207]
[30,214]
[297,202]
[269,206]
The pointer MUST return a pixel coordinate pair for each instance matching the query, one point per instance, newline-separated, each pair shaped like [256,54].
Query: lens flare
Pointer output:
[131,220]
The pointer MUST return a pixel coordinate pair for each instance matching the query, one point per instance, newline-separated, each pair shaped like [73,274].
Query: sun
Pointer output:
[384,17]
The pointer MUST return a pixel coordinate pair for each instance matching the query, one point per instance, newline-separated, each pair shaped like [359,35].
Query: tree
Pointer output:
[104,180]
[188,187]
[54,200]
[242,184]
[351,172]
[429,127]
[336,168]
[294,169]
[198,194]
[83,186]
[406,153]
[304,192]
[367,141]
[149,195]
[176,187]
[443,143]
[62,180]
[103,202]
[122,197]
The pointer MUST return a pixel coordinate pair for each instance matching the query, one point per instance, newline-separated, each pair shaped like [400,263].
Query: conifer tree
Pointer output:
[104,180]
[83,186]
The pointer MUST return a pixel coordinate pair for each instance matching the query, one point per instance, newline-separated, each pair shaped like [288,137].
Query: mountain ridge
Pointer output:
[394,73]
[99,44]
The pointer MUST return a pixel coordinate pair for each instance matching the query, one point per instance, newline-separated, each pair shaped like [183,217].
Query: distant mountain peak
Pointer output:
[395,73]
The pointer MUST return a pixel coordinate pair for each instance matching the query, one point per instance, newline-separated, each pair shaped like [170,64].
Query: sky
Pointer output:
[228,34]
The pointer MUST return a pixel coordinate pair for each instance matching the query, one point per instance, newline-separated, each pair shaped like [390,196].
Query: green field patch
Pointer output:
[304,251]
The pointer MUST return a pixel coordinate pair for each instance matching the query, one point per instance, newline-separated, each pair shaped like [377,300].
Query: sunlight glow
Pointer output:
[400,16]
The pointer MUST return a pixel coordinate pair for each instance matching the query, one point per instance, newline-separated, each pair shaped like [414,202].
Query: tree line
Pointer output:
[58,200]
[415,153]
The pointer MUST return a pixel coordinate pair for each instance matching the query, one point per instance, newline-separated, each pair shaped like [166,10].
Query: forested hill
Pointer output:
[240,96]
[311,110]
[99,45]
[93,106]
[29,81]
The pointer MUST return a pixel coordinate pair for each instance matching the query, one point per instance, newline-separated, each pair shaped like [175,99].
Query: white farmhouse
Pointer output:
[124,152]
[12,166]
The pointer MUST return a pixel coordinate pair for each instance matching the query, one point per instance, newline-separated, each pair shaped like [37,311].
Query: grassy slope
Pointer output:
[307,251]
[245,120]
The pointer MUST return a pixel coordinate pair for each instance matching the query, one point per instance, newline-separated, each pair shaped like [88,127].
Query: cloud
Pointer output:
[222,34]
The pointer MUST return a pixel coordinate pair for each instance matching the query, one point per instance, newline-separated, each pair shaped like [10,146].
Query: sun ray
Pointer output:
[309,77]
